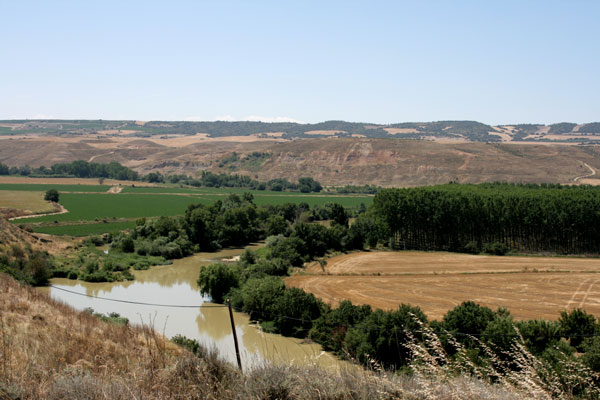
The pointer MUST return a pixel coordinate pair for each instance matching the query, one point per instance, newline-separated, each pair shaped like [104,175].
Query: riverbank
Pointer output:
[176,284]
[51,351]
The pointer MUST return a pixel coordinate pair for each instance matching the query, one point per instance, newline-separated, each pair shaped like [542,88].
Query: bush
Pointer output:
[51,195]
[472,247]
[496,248]
[577,324]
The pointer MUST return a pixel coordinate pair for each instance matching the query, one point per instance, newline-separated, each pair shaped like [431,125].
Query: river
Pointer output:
[176,284]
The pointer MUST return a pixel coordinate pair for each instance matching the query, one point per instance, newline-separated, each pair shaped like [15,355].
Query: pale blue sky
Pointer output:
[373,61]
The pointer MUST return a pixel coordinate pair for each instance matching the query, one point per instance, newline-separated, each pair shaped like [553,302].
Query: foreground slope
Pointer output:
[50,351]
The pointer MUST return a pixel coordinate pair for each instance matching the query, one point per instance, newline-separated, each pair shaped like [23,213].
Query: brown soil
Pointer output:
[530,287]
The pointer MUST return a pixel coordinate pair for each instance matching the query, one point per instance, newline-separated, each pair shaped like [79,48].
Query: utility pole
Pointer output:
[237,347]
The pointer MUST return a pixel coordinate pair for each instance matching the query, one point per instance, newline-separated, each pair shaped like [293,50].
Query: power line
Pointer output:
[139,302]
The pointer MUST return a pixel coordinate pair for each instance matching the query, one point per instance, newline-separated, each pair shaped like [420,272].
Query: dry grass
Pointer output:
[25,202]
[530,287]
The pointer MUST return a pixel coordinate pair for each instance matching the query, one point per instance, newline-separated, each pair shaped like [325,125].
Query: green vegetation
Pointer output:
[77,169]
[475,334]
[85,229]
[91,206]
[97,207]
[25,264]
[563,127]
[113,317]
[84,169]
[472,130]
[593,127]
[492,217]
[95,265]
[51,195]
[5,130]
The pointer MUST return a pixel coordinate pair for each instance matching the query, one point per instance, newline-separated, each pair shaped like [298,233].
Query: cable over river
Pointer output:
[175,285]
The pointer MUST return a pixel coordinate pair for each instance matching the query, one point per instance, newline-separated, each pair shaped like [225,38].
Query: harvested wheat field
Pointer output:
[530,287]
[66,181]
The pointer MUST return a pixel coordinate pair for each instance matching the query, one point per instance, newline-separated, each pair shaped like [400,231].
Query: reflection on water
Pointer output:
[176,284]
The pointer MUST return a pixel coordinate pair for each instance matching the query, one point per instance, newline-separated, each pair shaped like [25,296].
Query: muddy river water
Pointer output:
[176,285]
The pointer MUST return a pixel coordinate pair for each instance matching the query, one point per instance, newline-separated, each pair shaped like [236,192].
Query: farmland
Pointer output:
[24,202]
[530,287]
[46,186]
[86,229]
[92,209]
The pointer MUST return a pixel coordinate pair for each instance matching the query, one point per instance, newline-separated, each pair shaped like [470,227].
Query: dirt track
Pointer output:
[439,281]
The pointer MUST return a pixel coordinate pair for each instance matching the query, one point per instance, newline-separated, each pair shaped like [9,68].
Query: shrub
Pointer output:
[51,195]
[496,248]
[577,324]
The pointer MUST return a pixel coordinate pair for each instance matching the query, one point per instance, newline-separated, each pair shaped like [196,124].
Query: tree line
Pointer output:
[471,218]
[114,170]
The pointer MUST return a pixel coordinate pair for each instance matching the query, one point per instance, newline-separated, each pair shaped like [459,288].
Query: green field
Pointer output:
[221,191]
[85,229]
[86,203]
[92,206]
[47,186]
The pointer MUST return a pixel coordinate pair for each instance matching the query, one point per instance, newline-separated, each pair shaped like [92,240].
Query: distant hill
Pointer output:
[471,131]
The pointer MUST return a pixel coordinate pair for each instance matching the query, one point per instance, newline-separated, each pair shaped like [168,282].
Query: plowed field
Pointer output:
[530,287]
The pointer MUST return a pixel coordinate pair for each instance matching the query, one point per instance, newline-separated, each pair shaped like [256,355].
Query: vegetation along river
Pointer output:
[176,284]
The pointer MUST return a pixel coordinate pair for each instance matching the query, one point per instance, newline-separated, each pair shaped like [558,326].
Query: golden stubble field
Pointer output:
[530,287]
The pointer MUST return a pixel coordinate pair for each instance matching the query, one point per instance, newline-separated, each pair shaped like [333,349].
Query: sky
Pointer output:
[497,62]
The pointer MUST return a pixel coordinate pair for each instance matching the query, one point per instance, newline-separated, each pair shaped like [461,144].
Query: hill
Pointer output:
[333,152]
[472,131]
[332,161]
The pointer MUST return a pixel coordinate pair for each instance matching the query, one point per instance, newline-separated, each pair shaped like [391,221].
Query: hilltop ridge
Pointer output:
[453,130]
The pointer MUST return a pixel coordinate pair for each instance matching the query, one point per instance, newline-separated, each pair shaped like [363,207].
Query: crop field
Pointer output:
[530,287]
[92,206]
[59,187]
[30,201]
[86,229]
[92,203]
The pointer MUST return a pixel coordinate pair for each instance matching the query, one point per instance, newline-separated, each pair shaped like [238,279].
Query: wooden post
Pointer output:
[237,347]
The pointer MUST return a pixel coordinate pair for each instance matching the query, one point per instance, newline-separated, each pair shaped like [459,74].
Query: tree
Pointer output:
[468,318]
[216,280]
[51,195]
[576,325]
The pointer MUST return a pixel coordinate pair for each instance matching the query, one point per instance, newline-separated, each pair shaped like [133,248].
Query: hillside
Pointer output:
[332,161]
[10,235]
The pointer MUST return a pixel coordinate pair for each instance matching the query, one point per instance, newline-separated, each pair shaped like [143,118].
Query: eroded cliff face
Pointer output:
[332,161]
